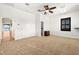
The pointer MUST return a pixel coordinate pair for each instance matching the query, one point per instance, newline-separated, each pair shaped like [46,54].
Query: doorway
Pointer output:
[7,29]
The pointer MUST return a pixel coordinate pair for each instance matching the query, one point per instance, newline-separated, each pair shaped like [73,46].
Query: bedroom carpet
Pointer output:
[50,45]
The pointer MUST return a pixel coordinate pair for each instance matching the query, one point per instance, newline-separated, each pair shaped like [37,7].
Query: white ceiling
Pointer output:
[33,7]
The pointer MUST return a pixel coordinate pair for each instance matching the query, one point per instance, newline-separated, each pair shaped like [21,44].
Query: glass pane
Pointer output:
[67,21]
[63,26]
[67,26]
[63,21]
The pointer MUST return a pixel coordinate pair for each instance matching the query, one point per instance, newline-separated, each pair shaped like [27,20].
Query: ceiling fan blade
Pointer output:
[52,8]
[46,7]
[45,13]
[40,10]
[51,11]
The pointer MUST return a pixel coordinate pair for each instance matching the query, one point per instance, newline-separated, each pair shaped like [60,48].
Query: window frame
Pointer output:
[68,19]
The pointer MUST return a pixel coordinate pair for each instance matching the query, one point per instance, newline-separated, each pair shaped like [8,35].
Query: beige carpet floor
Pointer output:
[51,45]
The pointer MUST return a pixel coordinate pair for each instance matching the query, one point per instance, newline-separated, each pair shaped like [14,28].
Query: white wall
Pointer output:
[52,23]
[0,29]
[55,25]
[25,19]
[46,20]
[30,23]
[38,25]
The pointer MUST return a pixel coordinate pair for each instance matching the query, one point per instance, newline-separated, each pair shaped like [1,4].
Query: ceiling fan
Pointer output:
[46,8]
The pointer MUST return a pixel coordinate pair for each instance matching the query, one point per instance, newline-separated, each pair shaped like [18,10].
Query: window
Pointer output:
[6,27]
[66,24]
